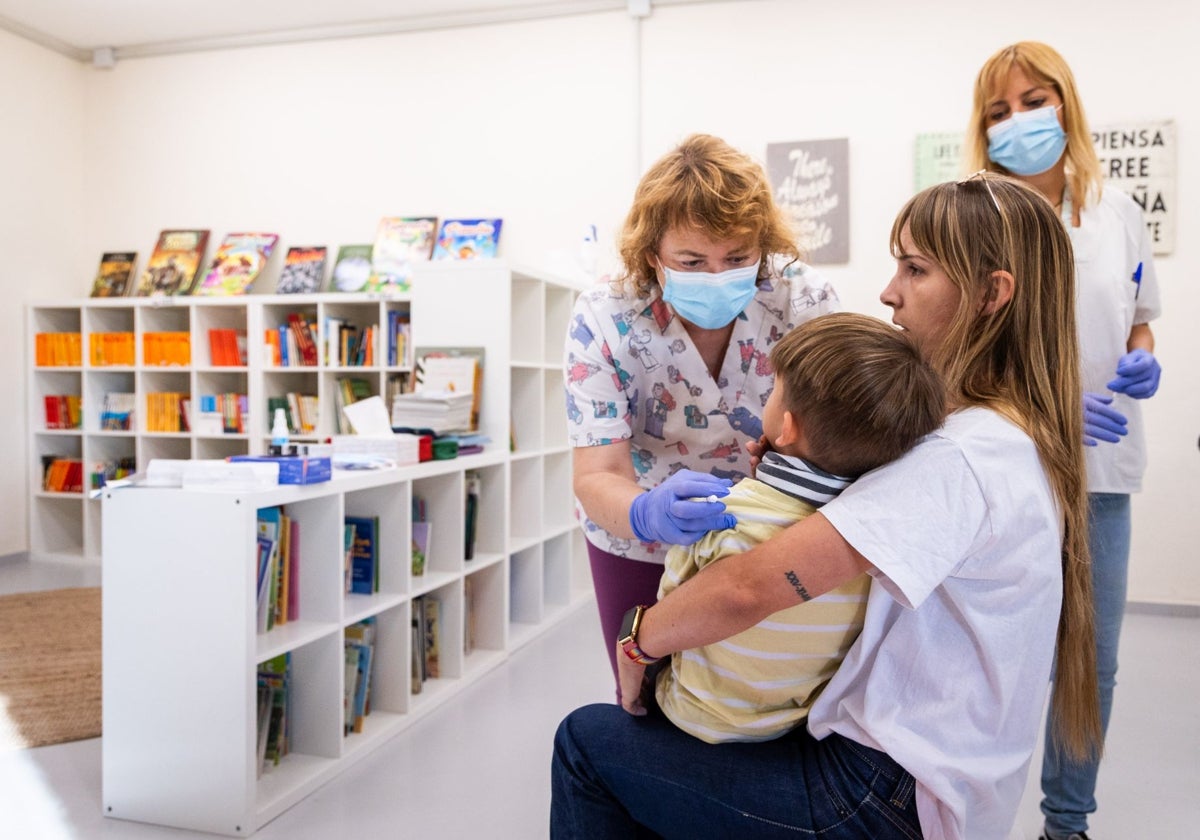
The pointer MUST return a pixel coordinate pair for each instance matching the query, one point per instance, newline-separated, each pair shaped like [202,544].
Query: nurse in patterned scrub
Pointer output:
[666,366]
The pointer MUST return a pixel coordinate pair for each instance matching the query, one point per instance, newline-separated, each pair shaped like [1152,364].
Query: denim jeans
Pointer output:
[618,776]
[1069,787]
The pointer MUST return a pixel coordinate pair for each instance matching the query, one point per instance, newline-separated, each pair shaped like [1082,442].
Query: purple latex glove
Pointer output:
[1137,374]
[1100,420]
[670,513]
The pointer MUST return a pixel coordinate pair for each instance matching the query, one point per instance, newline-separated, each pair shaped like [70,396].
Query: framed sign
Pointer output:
[811,180]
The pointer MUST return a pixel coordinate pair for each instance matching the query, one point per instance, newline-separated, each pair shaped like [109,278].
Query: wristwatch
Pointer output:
[628,637]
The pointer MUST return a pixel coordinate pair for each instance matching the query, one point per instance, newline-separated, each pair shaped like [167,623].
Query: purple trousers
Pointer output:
[620,584]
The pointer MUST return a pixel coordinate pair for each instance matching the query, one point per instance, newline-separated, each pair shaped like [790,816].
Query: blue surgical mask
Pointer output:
[1028,142]
[708,300]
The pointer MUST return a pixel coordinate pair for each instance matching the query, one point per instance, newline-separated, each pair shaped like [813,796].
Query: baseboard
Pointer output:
[1163,608]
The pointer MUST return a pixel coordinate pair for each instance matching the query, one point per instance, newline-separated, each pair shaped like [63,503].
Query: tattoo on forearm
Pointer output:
[798,586]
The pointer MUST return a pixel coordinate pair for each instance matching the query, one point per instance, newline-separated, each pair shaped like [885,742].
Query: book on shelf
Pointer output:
[174,263]
[426,641]
[433,645]
[164,349]
[58,349]
[399,242]
[447,393]
[348,532]
[352,268]
[62,475]
[349,684]
[347,345]
[222,414]
[364,556]
[303,270]
[467,239]
[268,524]
[110,470]
[417,647]
[109,349]
[226,347]
[349,390]
[399,335]
[116,412]
[420,547]
[274,702]
[469,624]
[304,335]
[471,516]
[361,638]
[63,411]
[239,260]
[114,278]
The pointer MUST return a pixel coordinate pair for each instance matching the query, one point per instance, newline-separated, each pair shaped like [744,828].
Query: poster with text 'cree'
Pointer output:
[811,181]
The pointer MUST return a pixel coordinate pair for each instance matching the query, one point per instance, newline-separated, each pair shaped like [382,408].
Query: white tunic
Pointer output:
[633,373]
[951,671]
[1110,244]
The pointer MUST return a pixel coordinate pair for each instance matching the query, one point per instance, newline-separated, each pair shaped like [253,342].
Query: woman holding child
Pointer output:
[974,540]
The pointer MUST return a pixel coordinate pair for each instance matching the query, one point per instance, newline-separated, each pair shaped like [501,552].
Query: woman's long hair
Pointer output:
[1022,360]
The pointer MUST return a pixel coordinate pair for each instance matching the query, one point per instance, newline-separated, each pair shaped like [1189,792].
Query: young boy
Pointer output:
[851,394]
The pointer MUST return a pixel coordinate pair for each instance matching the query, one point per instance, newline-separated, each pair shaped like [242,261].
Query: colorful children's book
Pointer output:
[420,547]
[303,270]
[240,258]
[467,239]
[399,242]
[174,264]
[352,269]
[115,275]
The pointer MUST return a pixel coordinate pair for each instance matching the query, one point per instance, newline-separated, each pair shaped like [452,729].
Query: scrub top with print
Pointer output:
[632,373]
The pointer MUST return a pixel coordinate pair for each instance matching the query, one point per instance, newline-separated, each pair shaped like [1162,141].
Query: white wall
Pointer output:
[41,227]
[879,73]
[536,122]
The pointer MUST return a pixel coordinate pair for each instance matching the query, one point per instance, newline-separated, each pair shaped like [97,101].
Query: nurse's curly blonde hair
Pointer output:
[703,184]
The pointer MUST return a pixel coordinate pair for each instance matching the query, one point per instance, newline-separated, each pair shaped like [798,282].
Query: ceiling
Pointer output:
[131,28]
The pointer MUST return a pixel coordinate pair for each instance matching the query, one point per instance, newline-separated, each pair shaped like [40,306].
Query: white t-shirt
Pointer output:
[1110,244]
[951,672]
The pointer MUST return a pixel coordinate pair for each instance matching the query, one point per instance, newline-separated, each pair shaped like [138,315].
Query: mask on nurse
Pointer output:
[1028,142]
[709,300]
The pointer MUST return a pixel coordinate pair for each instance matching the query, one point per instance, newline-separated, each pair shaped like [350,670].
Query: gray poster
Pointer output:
[811,179]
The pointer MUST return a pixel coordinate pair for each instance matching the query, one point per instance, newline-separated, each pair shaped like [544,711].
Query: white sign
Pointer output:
[1139,159]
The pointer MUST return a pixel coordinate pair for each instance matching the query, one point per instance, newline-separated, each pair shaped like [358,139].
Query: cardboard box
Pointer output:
[400,448]
[294,469]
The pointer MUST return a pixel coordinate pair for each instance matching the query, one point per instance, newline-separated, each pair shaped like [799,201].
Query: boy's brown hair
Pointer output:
[859,388]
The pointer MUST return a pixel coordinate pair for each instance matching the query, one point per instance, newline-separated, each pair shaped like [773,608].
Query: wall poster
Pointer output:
[811,180]
[1136,157]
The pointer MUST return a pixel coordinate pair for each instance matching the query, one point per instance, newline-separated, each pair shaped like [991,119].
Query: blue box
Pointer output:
[296,469]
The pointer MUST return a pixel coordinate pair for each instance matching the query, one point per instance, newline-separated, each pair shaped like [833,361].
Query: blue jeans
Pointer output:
[618,776]
[1069,787]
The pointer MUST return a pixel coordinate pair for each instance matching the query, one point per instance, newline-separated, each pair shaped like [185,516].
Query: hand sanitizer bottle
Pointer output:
[279,433]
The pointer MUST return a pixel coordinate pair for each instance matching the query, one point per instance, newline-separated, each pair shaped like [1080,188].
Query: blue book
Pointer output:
[364,555]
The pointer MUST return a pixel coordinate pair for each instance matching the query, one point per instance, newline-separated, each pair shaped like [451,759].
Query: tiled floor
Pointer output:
[479,766]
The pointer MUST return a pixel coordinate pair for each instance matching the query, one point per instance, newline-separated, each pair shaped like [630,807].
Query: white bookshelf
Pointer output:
[180,644]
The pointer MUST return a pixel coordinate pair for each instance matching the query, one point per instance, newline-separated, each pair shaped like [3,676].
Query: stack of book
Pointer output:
[436,411]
